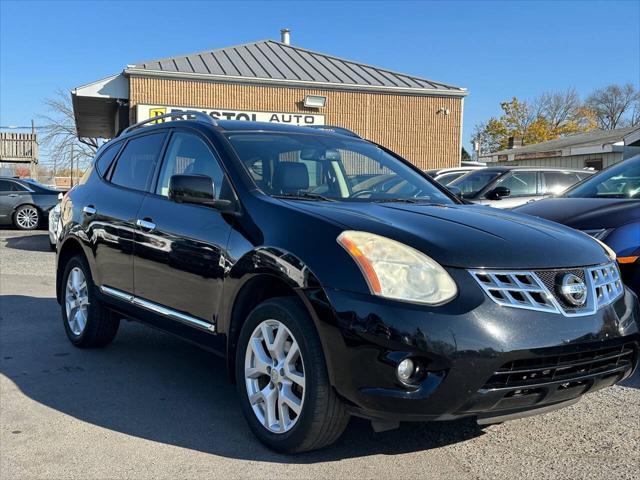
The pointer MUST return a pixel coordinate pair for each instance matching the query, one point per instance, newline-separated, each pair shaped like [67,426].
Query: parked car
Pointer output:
[508,187]
[247,239]
[24,203]
[54,226]
[607,207]
[445,176]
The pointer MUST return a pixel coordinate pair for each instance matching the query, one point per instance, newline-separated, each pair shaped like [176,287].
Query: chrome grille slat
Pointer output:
[536,290]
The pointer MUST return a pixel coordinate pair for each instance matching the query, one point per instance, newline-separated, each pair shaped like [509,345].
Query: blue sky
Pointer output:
[495,49]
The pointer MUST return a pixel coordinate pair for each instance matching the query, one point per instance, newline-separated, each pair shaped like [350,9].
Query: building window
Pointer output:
[595,163]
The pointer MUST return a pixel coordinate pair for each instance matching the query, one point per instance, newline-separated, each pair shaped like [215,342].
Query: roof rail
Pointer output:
[190,114]
[335,129]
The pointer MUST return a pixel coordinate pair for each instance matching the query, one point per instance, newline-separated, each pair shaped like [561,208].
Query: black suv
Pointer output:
[329,300]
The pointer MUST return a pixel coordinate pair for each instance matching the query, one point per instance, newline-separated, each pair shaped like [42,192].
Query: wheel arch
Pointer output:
[257,277]
[70,247]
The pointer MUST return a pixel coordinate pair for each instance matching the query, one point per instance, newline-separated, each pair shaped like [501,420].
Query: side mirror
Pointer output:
[498,193]
[455,190]
[197,189]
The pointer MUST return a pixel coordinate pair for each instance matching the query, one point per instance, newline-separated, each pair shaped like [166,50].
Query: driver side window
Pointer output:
[189,155]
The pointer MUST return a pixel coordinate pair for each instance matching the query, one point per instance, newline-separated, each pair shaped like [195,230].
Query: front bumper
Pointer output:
[481,360]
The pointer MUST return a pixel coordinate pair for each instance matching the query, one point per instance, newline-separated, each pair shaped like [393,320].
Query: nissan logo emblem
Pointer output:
[573,289]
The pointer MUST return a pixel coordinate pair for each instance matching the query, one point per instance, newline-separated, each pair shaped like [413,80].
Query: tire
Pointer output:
[322,416]
[26,217]
[100,325]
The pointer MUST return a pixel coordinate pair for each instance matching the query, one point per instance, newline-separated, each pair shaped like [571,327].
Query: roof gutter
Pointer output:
[208,77]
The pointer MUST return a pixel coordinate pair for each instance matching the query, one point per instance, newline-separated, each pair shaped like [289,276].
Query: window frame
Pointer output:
[498,181]
[16,184]
[543,180]
[108,146]
[114,164]
[151,190]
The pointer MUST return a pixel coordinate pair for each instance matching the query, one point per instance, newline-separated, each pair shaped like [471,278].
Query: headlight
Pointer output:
[394,270]
[610,253]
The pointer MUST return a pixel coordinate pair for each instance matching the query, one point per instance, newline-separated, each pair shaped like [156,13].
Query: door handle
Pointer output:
[89,210]
[146,225]
[14,195]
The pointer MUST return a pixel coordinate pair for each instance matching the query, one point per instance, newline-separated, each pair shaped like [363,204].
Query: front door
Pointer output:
[11,195]
[179,251]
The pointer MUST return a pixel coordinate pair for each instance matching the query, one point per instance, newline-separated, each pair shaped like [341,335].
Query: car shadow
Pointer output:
[154,386]
[30,243]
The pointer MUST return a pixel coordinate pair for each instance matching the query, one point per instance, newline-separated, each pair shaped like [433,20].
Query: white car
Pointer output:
[54,221]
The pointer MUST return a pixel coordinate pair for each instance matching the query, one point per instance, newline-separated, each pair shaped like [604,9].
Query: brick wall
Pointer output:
[406,124]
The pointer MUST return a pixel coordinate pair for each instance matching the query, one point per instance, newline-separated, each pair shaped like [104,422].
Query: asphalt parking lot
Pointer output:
[151,406]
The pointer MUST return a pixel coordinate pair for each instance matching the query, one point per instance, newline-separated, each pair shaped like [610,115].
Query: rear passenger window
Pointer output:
[106,158]
[137,161]
[557,182]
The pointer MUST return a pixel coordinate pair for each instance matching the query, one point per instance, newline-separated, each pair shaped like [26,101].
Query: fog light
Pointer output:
[406,369]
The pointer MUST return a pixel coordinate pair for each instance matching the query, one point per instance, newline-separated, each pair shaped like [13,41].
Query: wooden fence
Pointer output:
[18,147]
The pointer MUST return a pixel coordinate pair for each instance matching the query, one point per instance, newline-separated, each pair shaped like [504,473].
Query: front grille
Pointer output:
[515,289]
[606,283]
[553,278]
[569,367]
[540,289]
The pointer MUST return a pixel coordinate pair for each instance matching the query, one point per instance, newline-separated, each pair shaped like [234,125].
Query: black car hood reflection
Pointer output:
[467,236]
[585,213]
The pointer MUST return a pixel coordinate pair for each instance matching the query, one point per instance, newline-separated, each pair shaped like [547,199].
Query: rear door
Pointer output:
[110,209]
[179,261]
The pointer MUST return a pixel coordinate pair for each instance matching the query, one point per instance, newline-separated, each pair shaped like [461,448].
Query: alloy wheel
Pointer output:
[76,299]
[27,218]
[274,376]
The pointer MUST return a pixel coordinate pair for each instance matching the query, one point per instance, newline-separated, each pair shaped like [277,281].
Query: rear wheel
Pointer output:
[282,380]
[27,217]
[86,321]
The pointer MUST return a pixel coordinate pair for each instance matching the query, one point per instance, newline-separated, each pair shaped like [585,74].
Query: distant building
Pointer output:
[277,82]
[597,149]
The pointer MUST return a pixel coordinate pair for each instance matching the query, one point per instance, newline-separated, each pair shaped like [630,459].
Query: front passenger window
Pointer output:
[189,155]
[521,184]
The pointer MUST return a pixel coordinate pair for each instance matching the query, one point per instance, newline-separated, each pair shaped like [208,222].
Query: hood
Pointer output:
[585,213]
[467,236]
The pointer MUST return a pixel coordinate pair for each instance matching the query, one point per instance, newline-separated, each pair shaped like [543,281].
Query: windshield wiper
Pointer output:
[422,201]
[305,196]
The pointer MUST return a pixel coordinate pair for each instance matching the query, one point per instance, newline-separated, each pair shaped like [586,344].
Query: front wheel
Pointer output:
[282,380]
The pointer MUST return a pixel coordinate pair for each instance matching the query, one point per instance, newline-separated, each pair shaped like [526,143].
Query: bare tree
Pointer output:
[558,108]
[613,105]
[60,135]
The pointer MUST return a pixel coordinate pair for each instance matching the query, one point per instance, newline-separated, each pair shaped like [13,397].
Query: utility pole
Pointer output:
[71,180]
[34,159]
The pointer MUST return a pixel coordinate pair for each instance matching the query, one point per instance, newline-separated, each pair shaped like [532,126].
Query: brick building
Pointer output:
[275,81]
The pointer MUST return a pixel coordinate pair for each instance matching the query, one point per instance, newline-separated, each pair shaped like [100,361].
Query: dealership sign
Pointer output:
[144,112]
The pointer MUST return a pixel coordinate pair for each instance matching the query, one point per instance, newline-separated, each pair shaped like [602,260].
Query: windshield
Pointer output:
[335,167]
[471,183]
[619,181]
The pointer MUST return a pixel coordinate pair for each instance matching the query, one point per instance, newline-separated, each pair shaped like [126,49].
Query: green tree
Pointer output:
[550,116]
